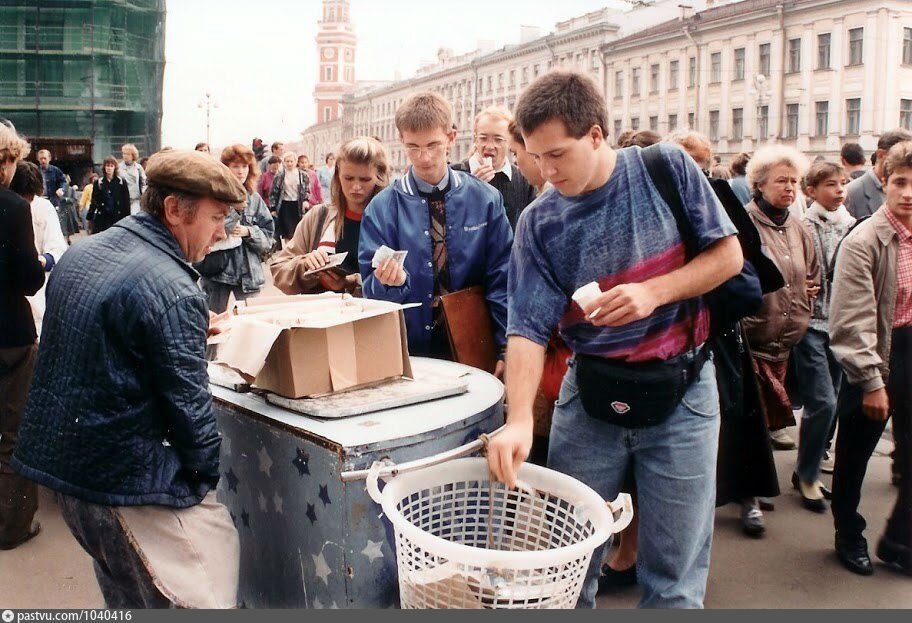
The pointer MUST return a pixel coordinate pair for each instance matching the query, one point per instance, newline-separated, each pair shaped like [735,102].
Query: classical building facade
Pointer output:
[810,73]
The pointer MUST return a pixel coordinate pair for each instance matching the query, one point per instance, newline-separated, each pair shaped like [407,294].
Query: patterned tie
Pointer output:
[437,212]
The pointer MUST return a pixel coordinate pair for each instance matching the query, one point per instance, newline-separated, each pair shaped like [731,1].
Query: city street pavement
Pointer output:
[792,567]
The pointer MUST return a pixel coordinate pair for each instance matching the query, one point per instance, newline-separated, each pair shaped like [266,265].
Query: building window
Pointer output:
[490,84]
[634,123]
[715,67]
[853,116]
[617,129]
[856,46]
[821,118]
[512,77]
[907,46]
[673,74]
[619,84]
[791,121]
[537,70]
[654,78]
[594,64]
[823,51]
[327,113]
[525,75]
[672,123]
[737,124]
[654,123]
[739,64]
[500,80]
[691,120]
[714,125]
[764,64]
[905,114]
[692,72]
[763,123]
[794,56]
[327,74]
[635,82]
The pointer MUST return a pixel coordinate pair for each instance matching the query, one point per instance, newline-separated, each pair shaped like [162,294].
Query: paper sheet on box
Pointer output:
[248,345]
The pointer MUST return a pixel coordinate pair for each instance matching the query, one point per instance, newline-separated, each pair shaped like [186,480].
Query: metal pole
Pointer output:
[38,68]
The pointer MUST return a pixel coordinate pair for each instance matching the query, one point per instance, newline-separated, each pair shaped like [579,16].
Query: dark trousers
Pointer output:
[122,577]
[858,437]
[18,496]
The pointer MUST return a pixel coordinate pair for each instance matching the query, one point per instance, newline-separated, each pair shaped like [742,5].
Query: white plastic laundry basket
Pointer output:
[465,542]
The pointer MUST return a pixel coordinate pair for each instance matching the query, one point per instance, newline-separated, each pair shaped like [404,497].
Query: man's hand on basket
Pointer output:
[508,450]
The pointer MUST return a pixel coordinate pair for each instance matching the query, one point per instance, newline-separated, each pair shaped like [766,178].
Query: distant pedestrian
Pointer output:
[110,198]
[865,195]
[131,172]
[853,160]
[289,196]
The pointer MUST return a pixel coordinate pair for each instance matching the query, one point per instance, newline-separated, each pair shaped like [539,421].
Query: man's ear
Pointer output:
[172,213]
[597,136]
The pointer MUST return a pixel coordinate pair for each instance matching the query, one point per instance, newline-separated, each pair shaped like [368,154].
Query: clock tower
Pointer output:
[336,44]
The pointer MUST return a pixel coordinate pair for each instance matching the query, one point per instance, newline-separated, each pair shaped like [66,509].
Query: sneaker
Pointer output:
[828,462]
[752,519]
[781,440]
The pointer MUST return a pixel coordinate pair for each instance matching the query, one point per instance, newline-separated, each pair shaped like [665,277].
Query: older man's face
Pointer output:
[44,158]
[492,138]
[196,235]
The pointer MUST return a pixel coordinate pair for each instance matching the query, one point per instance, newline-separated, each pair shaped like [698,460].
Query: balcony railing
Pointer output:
[71,95]
[74,40]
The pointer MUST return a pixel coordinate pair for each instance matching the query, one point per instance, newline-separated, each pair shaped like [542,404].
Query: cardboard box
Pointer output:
[313,346]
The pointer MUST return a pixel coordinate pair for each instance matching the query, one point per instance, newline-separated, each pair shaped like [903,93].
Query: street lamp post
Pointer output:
[760,91]
[208,102]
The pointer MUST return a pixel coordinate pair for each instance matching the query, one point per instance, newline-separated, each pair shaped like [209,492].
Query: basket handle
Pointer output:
[623,503]
[373,476]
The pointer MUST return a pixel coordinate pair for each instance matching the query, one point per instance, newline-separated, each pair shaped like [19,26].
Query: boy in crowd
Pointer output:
[828,221]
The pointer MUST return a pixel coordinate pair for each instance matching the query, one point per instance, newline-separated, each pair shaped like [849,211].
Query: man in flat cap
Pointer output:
[119,421]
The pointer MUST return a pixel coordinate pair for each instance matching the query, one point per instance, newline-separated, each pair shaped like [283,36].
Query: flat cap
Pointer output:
[195,173]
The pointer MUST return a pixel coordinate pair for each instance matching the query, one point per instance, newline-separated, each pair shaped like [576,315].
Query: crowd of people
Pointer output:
[659,317]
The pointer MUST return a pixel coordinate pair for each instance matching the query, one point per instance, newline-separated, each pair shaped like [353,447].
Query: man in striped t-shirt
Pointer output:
[605,221]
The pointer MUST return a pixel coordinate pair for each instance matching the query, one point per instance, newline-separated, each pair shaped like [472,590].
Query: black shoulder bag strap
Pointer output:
[662,177]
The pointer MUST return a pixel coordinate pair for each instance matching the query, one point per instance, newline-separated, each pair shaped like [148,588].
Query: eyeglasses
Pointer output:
[484,139]
[433,149]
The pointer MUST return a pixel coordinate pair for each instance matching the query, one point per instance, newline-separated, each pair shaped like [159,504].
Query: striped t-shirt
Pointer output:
[622,232]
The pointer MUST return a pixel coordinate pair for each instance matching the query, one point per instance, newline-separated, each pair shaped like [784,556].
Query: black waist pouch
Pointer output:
[635,395]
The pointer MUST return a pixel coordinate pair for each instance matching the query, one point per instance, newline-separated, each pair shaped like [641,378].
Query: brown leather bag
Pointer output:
[468,325]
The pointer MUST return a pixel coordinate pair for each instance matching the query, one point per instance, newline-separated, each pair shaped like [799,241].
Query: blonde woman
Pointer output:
[131,172]
[362,170]
[289,196]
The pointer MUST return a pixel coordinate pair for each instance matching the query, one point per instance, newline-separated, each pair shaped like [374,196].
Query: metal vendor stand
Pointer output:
[308,538]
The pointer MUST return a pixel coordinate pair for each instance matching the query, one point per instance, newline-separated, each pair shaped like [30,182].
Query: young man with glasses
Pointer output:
[453,226]
[489,163]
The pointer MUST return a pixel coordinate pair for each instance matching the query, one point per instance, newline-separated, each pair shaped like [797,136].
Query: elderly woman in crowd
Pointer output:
[21,275]
[133,173]
[774,175]
[362,171]
[289,196]
[234,266]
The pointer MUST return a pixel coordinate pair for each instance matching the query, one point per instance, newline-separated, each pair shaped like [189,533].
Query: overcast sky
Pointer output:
[258,59]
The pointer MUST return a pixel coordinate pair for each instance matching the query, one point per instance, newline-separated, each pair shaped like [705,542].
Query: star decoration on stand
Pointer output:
[324,495]
[265,461]
[277,501]
[311,513]
[372,551]
[321,569]
[245,517]
[300,462]
[232,480]
[261,500]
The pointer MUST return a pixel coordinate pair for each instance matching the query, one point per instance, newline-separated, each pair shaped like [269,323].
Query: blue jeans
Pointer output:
[675,468]
[819,375]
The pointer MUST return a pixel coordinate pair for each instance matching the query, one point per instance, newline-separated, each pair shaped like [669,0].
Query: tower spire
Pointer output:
[336,46]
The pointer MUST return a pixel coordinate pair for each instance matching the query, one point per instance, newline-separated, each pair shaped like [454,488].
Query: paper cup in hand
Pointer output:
[587,294]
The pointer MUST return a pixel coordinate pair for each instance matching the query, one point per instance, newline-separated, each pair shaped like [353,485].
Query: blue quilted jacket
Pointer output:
[120,411]
[478,241]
